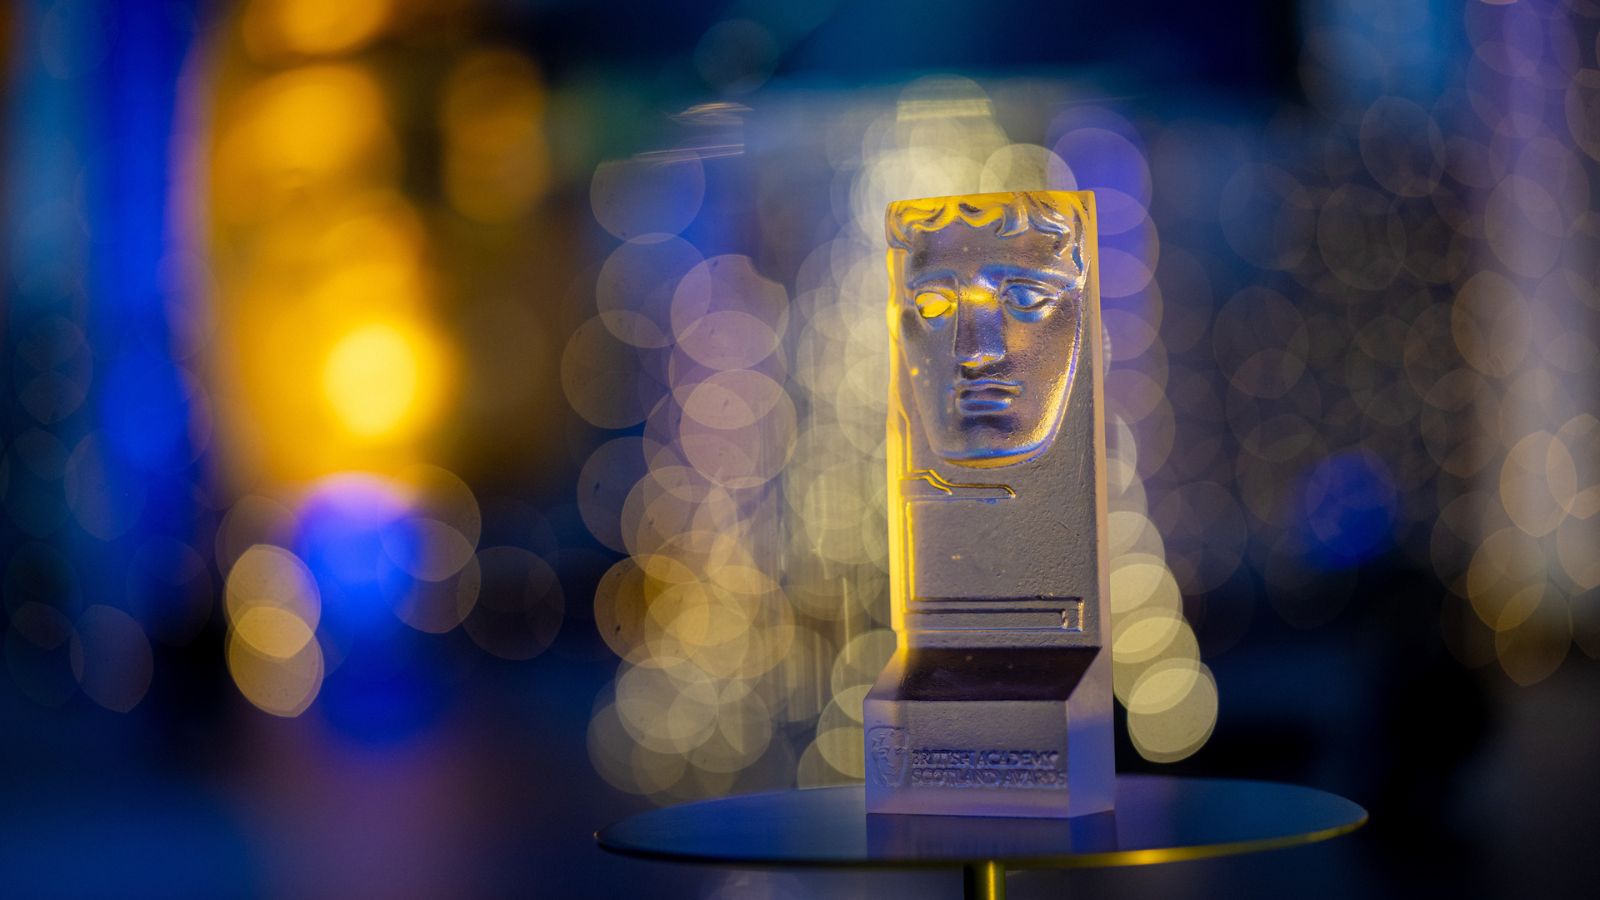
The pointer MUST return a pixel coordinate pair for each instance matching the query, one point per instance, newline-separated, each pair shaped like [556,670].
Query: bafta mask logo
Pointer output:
[987,306]
[890,754]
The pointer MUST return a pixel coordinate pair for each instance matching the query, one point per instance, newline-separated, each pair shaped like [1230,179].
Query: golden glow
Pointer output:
[282,687]
[312,27]
[275,632]
[1172,709]
[314,120]
[376,378]
[273,607]
[496,160]
[329,355]
[933,306]
[272,577]
[318,126]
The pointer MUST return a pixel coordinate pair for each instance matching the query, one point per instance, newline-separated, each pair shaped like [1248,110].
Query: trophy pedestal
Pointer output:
[1156,819]
[986,731]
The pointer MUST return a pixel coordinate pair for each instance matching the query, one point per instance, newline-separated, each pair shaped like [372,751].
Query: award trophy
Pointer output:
[998,700]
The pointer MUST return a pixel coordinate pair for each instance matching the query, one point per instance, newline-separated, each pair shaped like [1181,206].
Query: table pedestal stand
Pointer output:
[983,881]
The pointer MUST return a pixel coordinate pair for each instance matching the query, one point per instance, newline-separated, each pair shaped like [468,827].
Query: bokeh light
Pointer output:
[373,378]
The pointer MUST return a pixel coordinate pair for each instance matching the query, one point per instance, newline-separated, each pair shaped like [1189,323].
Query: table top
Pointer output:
[1157,819]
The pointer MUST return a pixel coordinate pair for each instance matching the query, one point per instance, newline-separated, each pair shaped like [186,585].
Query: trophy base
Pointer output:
[1029,736]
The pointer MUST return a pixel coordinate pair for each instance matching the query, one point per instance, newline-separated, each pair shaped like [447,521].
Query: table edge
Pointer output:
[1103,860]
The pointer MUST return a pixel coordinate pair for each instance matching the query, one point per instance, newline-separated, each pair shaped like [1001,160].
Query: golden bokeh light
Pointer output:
[273,578]
[329,354]
[273,607]
[309,127]
[282,687]
[497,164]
[273,631]
[381,380]
[1172,709]
[312,27]
[334,362]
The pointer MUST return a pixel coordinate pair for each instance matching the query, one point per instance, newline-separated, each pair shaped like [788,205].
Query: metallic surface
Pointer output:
[1157,819]
[983,881]
[998,701]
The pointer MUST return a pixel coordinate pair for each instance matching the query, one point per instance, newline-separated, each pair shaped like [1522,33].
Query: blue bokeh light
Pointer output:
[1350,506]
[144,409]
[355,537]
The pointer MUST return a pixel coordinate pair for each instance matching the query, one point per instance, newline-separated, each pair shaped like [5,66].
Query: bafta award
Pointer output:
[998,700]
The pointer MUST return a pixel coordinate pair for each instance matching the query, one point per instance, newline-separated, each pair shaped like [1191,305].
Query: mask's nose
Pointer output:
[980,330]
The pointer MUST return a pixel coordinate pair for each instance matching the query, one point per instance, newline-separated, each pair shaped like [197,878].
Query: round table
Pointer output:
[1157,819]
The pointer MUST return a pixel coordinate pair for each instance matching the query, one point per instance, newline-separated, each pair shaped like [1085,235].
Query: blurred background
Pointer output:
[433,430]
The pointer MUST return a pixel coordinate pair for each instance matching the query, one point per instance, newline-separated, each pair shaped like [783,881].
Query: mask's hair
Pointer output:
[1009,214]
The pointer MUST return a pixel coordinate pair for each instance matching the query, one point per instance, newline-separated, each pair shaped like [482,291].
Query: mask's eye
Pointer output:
[1026,296]
[933,305]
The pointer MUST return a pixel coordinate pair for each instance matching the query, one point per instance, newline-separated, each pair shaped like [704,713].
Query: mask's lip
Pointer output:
[985,396]
[997,385]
